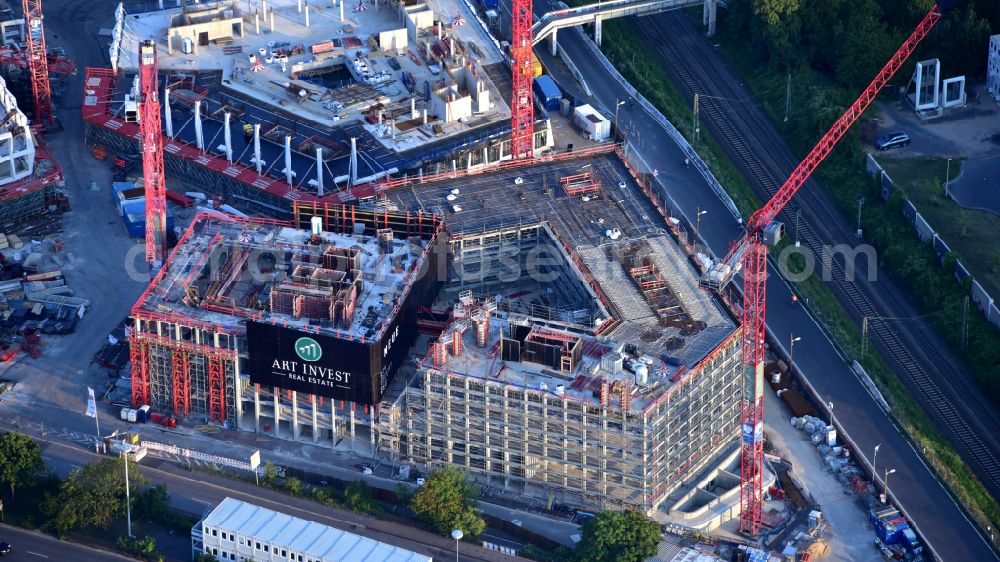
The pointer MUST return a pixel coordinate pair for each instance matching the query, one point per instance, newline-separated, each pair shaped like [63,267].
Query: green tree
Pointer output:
[293,486]
[152,504]
[618,536]
[94,495]
[144,548]
[270,473]
[358,497]
[20,460]
[447,500]
[404,492]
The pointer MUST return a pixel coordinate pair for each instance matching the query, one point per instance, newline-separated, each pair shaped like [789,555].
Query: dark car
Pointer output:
[4,549]
[892,140]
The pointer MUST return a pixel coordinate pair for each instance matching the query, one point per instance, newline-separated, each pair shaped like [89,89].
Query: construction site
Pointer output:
[265,107]
[30,177]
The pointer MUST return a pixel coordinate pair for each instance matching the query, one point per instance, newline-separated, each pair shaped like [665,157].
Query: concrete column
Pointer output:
[413,108]
[288,159]
[553,43]
[354,161]
[160,4]
[708,15]
[315,428]
[228,135]
[425,115]
[392,129]
[307,15]
[263,6]
[256,148]
[256,22]
[295,415]
[199,138]
[597,30]
[277,410]
[167,121]
[468,161]
[170,44]
[333,419]
[272,20]
[372,424]
[256,408]
[353,406]
[341,11]
[485,156]
[298,6]
[319,171]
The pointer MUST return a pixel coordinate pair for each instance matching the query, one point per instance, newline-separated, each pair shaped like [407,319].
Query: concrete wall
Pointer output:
[418,18]
[393,40]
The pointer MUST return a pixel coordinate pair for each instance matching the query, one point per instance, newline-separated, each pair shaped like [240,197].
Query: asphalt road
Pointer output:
[38,547]
[940,519]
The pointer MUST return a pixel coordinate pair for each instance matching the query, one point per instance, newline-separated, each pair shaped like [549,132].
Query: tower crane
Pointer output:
[152,154]
[522,108]
[750,254]
[38,61]
[56,64]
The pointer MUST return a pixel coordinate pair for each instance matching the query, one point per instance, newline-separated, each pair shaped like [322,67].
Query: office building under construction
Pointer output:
[579,360]
[289,328]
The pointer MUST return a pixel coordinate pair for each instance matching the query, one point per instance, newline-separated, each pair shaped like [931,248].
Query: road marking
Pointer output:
[36,554]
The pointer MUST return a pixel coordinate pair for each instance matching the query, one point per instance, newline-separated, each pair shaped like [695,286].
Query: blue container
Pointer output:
[547,92]
[118,187]
[134,218]
[489,4]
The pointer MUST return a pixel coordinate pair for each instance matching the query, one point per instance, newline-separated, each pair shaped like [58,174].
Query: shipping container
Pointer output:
[134,218]
[547,92]
[536,66]
[143,415]
[489,5]
[591,122]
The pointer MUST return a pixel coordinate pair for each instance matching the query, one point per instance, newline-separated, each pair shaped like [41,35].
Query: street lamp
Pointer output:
[457,535]
[791,351]
[885,485]
[617,105]
[874,469]
[697,224]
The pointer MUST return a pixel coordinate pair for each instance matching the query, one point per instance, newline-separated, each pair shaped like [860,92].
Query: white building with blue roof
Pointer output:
[238,531]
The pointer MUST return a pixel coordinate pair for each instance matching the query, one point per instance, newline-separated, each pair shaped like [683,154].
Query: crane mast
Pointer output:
[750,253]
[38,63]
[152,155]
[522,129]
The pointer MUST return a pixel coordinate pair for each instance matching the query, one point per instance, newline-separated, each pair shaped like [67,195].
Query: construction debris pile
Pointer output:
[893,535]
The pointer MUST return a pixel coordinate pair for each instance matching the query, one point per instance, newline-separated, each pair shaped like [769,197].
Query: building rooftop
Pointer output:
[308,538]
[344,284]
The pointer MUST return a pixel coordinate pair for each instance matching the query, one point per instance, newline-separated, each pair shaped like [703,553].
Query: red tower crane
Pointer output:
[38,61]
[152,155]
[522,109]
[56,64]
[750,253]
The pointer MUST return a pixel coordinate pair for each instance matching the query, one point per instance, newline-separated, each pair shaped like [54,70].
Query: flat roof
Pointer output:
[344,284]
[308,538]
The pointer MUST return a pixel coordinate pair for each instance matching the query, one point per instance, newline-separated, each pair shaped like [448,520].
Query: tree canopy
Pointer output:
[93,495]
[447,500]
[20,460]
[618,536]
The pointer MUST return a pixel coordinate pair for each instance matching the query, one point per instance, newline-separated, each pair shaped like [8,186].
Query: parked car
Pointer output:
[892,140]
[4,549]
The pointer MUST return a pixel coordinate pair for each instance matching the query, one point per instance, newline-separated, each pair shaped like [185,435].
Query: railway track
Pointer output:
[921,359]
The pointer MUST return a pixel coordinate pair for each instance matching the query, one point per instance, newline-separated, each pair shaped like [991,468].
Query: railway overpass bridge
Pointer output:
[550,23]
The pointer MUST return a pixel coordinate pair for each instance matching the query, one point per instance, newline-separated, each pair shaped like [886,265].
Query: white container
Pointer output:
[187,46]
[597,127]
[560,389]
[124,414]
[132,414]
